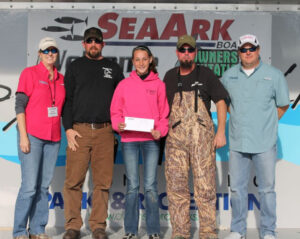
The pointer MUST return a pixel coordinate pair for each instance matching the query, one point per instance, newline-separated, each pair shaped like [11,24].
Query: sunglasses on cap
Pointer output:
[251,49]
[184,49]
[52,50]
[91,40]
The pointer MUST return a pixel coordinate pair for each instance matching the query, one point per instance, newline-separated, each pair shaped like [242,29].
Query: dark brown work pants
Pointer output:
[97,148]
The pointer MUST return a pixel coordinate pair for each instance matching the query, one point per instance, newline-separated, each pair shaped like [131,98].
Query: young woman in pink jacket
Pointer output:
[141,95]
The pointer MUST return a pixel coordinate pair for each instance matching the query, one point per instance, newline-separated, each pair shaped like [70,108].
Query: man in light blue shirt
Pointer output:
[259,97]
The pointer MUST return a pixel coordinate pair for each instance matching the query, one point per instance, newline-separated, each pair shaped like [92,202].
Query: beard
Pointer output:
[94,53]
[186,64]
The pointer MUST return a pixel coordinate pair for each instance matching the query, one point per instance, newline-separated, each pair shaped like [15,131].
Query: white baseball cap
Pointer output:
[248,38]
[47,42]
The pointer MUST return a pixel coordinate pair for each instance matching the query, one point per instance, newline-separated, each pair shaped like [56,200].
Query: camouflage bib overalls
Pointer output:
[190,143]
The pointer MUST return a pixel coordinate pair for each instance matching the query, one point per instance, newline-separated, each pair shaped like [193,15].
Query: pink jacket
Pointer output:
[139,98]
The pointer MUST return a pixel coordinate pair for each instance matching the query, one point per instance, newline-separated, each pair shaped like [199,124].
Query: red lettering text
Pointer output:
[126,28]
[219,29]
[148,29]
[104,23]
[176,20]
[200,27]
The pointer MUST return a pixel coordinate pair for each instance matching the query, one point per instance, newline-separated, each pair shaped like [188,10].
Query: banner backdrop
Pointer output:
[216,35]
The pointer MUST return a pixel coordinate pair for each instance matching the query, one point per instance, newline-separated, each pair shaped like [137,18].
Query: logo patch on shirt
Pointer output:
[196,84]
[107,72]
[150,92]
[43,82]
[267,78]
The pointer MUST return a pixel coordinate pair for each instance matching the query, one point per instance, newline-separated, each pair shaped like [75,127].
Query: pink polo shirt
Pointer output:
[41,91]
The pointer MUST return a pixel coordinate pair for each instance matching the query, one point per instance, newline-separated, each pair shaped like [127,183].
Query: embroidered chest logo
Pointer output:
[107,72]
[151,92]
[43,82]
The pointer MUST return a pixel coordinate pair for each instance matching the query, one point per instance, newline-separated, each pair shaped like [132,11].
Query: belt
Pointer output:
[95,125]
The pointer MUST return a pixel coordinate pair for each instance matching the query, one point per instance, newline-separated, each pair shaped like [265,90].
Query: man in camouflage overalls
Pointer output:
[192,141]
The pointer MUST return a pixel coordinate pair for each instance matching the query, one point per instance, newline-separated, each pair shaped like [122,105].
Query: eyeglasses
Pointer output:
[91,40]
[184,49]
[52,50]
[252,49]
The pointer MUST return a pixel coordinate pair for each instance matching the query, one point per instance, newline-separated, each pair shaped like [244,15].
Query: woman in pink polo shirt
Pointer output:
[141,95]
[39,100]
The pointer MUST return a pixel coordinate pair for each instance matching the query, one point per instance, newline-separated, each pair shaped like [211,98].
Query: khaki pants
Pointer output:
[97,148]
[190,144]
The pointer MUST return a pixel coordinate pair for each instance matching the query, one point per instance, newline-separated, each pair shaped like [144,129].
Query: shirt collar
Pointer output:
[44,70]
[256,68]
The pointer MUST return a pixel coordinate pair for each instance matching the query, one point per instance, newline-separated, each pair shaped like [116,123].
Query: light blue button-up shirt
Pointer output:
[254,100]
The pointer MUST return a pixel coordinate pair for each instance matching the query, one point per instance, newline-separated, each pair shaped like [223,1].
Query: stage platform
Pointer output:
[116,233]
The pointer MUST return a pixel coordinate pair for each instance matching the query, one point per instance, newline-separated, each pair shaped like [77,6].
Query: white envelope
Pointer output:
[139,124]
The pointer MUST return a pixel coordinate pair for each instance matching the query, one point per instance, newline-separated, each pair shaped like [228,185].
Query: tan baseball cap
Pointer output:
[46,43]
[186,39]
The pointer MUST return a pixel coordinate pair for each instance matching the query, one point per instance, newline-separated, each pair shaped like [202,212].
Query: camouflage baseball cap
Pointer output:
[186,39]
[93,32]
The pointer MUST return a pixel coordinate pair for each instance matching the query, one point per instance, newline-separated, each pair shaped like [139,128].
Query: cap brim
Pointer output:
[184,43]
[252,43]
[93,36]
[48,45]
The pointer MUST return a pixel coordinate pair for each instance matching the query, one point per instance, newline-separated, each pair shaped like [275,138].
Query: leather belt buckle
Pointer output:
[94,126]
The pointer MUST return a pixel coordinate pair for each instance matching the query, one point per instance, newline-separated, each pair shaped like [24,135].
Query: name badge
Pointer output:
[52,111]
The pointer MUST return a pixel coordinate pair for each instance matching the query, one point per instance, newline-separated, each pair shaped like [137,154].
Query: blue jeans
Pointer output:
[150,154]
[37,168]
[239,169]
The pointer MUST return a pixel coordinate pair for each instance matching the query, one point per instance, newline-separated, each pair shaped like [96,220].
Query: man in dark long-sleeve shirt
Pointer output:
[90,82]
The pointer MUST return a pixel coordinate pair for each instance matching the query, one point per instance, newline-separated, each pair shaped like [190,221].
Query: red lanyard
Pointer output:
[52,96]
